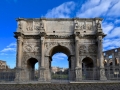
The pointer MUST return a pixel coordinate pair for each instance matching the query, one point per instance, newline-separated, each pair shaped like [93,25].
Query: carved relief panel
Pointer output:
[88,49]
[89,26]
[37,25]
[34,25]
[92,48]
[79,25]
[82,49]
[29,25]
[83,25]
[31,47]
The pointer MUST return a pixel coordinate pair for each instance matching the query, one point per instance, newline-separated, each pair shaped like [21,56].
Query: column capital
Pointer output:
[76,38]
[42,38]
[99,38]
[20,38]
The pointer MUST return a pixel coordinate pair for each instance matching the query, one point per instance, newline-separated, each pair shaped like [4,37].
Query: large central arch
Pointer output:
[60,48]
[65,50]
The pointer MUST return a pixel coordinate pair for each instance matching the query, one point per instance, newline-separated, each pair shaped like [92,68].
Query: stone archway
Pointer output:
[65,50]
[87,63]
[31,68]
[87,68]
[43,37]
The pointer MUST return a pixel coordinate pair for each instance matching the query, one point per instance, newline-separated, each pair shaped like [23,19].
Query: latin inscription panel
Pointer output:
[60,26]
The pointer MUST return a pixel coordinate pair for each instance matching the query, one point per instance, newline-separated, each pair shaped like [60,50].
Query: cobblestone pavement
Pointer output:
[85,86]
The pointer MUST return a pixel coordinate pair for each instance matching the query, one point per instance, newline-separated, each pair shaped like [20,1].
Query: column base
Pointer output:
[17,74]
[78,72]
[102,74]
[41,77]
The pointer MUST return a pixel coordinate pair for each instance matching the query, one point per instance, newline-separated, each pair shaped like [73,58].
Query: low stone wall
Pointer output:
[81,86]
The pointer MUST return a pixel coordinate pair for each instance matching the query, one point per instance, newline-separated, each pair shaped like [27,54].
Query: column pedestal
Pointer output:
[78,72]
[18,75]
[41,72]
[102,74]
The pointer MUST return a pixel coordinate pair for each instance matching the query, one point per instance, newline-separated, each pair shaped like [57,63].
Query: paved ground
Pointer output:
[80,86]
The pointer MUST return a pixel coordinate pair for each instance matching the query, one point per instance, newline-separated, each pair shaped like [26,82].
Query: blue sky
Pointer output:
[109,10]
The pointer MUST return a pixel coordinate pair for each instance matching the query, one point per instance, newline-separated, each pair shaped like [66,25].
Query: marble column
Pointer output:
[47,70]
[72,69]
[78,69]
[101,59]
[42,51]
[77,52]
[19,52]
[41,68]
[19,58]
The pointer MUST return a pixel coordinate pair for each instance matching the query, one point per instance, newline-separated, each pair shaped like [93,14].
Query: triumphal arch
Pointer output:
[38,39]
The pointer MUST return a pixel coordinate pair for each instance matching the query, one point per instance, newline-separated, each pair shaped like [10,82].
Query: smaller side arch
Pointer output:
[27,57]
[87,62]
[31,68]
[31,63]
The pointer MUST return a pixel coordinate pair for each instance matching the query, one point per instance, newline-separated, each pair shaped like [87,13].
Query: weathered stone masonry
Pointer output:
[38,39]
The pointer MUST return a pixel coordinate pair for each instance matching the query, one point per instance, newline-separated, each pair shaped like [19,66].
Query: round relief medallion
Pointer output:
[28,48]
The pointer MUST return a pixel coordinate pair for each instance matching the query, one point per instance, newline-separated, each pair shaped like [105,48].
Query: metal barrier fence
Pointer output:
[111,73]
[7,74]
[90,73]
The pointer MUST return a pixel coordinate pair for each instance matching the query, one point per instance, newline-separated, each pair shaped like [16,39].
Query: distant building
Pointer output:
[57,69]
[3,65]
[112,57]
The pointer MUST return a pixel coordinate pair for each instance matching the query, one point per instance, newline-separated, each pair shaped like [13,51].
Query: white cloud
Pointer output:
[90,4]
[117,21]
[111,44]
[62,11]
[115,10]
[97,8]
[107,27]
[10,47]
[3,54]
[115,33]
